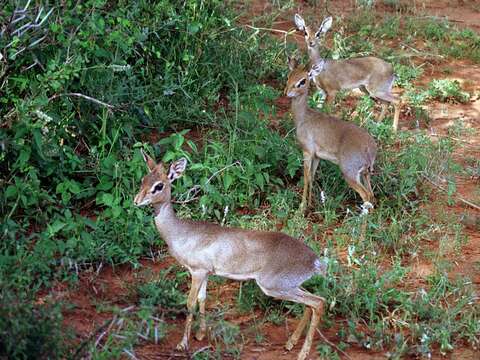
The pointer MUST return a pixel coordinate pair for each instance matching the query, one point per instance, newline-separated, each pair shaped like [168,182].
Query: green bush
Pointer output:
[69,166]
[29,330]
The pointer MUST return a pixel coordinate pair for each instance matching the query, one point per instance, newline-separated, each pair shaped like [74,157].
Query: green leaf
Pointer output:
[227,181]
[74,187]
[55,227]
[259,180]
[178,141]
[37,137]
[11,191]
[107,199]
[194,27]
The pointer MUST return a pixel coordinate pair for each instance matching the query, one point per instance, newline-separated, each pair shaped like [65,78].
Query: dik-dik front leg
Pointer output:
[198,279]
[202,296]
[313,171]
[307,167]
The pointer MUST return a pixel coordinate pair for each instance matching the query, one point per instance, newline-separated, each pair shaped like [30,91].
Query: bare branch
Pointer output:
[333,345]
[272,30]
[89,98]
[466,202]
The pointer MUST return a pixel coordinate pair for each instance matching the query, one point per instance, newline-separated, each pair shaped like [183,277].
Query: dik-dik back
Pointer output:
[369,72]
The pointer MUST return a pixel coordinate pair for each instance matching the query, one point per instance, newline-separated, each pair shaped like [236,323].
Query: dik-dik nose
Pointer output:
[136,200]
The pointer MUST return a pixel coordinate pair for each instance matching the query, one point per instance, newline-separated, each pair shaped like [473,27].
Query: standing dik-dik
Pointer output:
[277,262]
[322,136]
[372,75]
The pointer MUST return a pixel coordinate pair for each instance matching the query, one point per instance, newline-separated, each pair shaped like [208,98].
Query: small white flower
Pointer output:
[120,68]
[323,197]
[366,206]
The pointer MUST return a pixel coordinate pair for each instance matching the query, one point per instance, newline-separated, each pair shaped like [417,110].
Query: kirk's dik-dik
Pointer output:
[372,75]
[323,136]
[277,262]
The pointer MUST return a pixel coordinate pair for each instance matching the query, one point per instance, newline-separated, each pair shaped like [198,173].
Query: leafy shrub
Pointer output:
[446,90]
[29,330]
[68,169]
[163,292]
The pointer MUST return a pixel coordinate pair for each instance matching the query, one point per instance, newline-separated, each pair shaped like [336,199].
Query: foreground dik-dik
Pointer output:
[323,136]
[372,75]
[277,262]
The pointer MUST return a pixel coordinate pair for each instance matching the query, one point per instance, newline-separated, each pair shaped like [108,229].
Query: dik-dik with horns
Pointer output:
[322,136]
[371,74]
[277,262]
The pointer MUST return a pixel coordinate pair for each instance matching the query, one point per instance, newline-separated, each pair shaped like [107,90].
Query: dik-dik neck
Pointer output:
[314,54]
[166,221]
[299,108]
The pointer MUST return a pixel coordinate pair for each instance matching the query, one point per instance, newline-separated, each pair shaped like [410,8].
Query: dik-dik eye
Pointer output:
[157,188]
[301,82]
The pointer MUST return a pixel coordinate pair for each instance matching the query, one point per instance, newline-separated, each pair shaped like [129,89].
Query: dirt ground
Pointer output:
[110,283]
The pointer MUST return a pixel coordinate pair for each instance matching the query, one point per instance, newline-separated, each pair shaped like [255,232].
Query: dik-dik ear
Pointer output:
[326,25]
[176,169]
[148,160]
[299,22]
[292,63]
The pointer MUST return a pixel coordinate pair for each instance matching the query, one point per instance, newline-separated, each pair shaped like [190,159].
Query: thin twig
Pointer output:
[106,331]
[271,30]
[80,348]
[89,98]
[467,202]
[333,345]
[202,349]
[422,53]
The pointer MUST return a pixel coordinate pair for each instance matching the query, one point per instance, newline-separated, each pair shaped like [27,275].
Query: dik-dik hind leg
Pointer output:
[303,297]
[383,111]
[355,184]
[198,278]
[292,341]
[368,186]
[396,116]
[316,305]
[392,99]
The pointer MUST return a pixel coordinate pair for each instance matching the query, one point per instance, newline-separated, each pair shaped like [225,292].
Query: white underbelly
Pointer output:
[326,156]
[234,276]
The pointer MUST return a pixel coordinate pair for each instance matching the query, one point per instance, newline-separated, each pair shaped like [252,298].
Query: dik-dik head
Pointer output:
[156,185]
[298,80]
[312,38]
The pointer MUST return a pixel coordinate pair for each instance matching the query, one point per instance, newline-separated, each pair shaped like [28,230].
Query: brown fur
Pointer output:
[371,74]
[277,262]
[322,136]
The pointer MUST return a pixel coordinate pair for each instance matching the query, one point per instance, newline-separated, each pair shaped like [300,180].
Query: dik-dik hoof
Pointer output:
[289,345]
[302,355]
[200,334]
[182,345]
